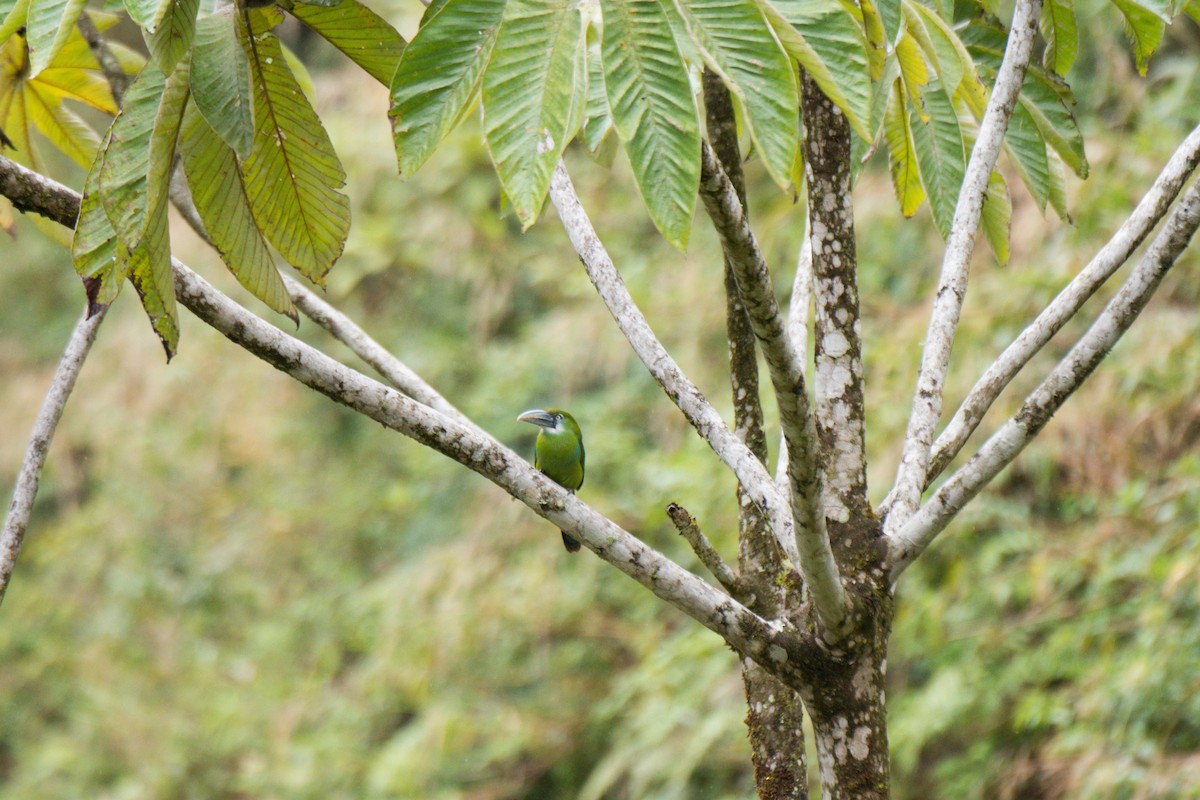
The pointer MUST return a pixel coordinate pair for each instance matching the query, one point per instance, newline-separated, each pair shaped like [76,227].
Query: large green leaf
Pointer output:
[141,150]
[597,118]
[939,149]
[653,111]
[1061,35]
[1048,101]
[738,45]
[149,266]
[292,174]
[438,74]
[529,97]
[1058,186]
[47,26]
[364,36]
[944,38]
[830,44]
[221,79]
[173,36]
[94,248]
[1145,23]
[889,12]
[997,216]
[898,135]
[216,184]
[1027,149]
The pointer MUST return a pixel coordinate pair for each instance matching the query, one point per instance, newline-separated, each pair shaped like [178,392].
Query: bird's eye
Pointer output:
[558,417]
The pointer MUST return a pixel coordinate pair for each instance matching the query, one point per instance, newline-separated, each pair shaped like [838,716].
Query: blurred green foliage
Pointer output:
[233,588]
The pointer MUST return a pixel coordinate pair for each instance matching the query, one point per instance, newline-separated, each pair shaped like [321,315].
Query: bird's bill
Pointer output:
[538,417]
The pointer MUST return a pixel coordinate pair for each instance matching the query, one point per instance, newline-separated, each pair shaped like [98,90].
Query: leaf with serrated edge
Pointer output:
[221,79]
[438,75]
[123,178]
[149,266]
[216,184]
[939,149]
[1049,109]
[527,98]
[831,45]
[653,111]
[293,175]
[902,156]
[363,36]
[1025,145]
[1062,38]
[738,45]
[997,216]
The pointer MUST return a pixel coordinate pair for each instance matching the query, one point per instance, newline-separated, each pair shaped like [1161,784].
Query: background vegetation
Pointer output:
[233,588]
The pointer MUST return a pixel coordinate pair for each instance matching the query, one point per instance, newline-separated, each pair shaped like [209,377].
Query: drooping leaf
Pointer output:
[738,45]
[47,26]
[292,175]
[1058,186]
[1061,35]
[914,73]
[216,184]
[364,36]
[173,36]
[528,98]
[942,36]
[1145,23]
[1027,147]
[438,75]
[148,13]
[832,47]
[220,79]
[939,150]
[597,118]
[897,133]
[141,145]
[149,269]
[94,248]
[997,216]
[1048,102]
[653,111]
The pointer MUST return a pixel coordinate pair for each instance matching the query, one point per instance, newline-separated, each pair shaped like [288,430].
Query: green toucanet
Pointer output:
[558,452]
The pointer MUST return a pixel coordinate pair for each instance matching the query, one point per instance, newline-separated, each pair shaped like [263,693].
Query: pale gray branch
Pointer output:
[952,285]
[999,451]
[785,366]
[1067,304]
[797,327]
[749,471]
[686,524]
[19,510]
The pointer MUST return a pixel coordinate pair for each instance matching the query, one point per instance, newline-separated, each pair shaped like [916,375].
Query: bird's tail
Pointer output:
[571,544]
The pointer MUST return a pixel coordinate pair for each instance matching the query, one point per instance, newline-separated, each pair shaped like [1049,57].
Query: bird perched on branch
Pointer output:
[558,452]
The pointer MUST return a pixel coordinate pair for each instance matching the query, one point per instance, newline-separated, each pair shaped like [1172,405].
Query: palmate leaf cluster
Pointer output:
[221,92]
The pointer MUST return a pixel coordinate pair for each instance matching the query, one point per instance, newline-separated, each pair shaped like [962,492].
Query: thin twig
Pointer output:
[952,285]
[999,451]
[19,510]
[686,524]
[749,471]
[816,564]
